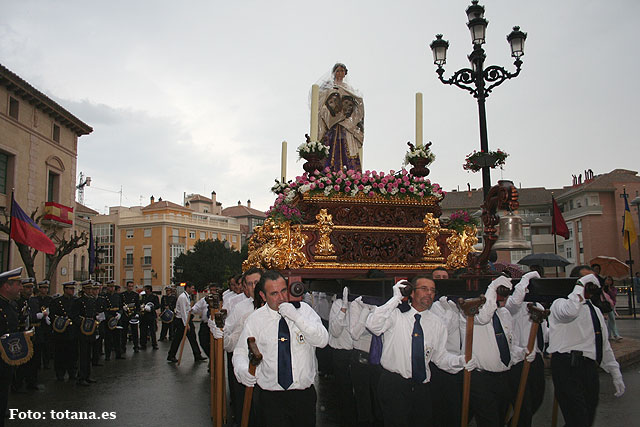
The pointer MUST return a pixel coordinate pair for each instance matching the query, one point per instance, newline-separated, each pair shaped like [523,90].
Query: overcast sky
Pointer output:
[195,96]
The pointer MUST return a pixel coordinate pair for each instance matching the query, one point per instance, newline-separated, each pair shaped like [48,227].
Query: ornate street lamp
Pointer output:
[478,80]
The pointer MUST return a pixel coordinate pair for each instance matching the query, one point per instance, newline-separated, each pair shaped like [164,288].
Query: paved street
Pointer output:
[145,390]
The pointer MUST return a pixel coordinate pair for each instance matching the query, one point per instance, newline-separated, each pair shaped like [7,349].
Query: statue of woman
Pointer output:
[341,121]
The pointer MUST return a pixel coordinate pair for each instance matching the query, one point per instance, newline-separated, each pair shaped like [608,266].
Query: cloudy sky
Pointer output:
[195,96]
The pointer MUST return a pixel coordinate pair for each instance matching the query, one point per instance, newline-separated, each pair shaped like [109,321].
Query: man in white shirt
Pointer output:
[183,306]
[534,390]
[411,340]
[578,343]
[287,338]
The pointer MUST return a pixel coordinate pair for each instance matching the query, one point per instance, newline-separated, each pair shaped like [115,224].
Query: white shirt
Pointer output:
[322,304]
[235,323]
[200,308]
[233,301]
[339,336]
[522,322]
[398,329]
[226,295]
[305,337]
[183,305]
[571,328]
[360,335]
[451,320]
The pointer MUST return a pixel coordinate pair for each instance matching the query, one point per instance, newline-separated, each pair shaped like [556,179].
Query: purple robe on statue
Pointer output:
[336,139]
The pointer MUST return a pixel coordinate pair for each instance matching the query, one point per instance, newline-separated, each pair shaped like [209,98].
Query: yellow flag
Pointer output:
[629,234]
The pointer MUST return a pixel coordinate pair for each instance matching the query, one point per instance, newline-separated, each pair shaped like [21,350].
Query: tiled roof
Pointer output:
[84,209]
[241,211]
[604,182]
[198,198]
[21,88]
[164,204]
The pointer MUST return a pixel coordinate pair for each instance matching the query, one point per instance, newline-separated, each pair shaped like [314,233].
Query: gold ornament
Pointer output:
[461,245]
[276,246]
[432,230]
[324,249]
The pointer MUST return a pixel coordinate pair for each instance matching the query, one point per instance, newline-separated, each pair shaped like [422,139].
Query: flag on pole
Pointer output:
[24,230]
[92,250]
[628,227]
[558,226]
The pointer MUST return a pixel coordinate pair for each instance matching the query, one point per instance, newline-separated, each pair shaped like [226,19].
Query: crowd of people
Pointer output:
[399,362]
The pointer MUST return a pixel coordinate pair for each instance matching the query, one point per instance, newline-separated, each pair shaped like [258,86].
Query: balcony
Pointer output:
[145,260]
[582,211]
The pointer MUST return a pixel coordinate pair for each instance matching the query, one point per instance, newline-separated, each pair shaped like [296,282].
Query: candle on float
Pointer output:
[314,112]
[283,168]
[418,119]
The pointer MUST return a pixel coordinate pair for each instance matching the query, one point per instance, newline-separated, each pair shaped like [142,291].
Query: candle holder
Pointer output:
[314,153]
[419,158]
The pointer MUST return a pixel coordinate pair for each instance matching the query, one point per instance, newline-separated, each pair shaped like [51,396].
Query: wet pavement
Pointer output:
[144,390]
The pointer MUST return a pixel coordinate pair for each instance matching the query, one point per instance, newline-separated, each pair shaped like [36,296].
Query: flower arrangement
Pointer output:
[313,148]
[460,219]
[282,211]
[478,159]
[415,153]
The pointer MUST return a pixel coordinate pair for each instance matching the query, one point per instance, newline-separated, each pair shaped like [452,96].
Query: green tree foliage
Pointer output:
[209,262]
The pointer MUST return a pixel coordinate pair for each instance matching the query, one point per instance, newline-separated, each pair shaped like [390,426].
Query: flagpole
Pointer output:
[628,236]
[10,229]
[554,229]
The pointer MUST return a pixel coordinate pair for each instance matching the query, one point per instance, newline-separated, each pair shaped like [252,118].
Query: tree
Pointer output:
[64,246]
[208,262]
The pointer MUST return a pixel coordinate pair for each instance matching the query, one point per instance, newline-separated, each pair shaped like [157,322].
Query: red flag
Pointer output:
[558,226]
[24,230]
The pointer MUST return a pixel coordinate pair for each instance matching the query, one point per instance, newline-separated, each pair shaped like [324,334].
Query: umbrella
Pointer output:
[544,260]
[611,266]
[514,271]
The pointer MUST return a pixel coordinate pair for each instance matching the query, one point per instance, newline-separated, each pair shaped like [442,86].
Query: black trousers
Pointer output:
[365,388]
[166,329]
[96,348]
[489,397]
[5,383]
[125,334]
[404,402]
[112,343]
[236,390]
[65,357]
[148,329]
[533,392]
[204,337]
[446,403]
[324,355]
[84,357]
[576,386]
[294,408]
[344,386]
[177,338]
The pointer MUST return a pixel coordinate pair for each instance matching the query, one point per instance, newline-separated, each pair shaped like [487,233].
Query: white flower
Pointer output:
[327,190]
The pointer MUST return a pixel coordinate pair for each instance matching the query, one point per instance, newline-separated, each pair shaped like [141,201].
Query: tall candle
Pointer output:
[418,119]
[283,164]
[314,113]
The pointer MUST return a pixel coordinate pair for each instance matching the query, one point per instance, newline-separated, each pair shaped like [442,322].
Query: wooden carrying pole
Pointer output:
[219,368]
[214,306]
[184,337]
[255,357]
[537,316]
[470,308]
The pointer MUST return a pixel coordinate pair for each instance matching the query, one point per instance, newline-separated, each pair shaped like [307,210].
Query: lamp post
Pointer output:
[478,80]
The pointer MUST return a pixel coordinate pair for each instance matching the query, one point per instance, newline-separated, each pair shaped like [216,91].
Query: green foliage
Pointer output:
[209,262]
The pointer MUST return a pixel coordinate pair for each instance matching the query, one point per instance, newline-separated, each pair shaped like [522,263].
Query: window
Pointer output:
[581,249]
[570,227]
[146,280]
[147,232]
[579,226]
[569,252]
[56,133]
[128,260]
[192,234]
[146,260]
[129,234]
[570,204]
[234,238]
[128,275]
[14,106]
[203,235]
[174,252]
[3,255]
[52,187]
[4,168]
[103,233]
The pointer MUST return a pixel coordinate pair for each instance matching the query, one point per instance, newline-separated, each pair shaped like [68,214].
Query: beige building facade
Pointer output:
[38,152]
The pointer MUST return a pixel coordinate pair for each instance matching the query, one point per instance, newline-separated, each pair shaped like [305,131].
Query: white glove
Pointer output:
[589,278]
[500,281]
[345,297]
[148,307]
[397,289]
[360,303]
[118,316]
[47,321]
[618,384]
[100,317]
[524,281]
[215,331]
[39,316]
[530,357]
[471,365]
[448,305]
[288,311]
[246,378]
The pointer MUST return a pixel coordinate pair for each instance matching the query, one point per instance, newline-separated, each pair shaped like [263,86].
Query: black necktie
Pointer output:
[418,369]
[540,338]
[503,345]
[285,373]
[597,328]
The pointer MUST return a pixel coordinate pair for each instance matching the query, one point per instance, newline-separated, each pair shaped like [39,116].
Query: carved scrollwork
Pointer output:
[432,231]
[324,248]
[461,245]
[276,246]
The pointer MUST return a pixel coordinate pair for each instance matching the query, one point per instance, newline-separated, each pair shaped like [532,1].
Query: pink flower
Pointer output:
[347,183]
[313,178]
[404,172]
[336,187]
[402,190]
[374,185]
[347,189]
[370,194]
[421,194]
[312,186]
[339,181]
[320,185]
[360,187]
[327,169]
[316,172]
[422,186]
[392,172]
[365,179]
